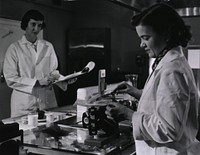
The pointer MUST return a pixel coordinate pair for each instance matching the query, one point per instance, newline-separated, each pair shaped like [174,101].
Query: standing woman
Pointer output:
[30,67]
[166,120]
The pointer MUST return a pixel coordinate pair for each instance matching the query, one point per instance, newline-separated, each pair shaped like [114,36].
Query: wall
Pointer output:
[194,22]
[55,33]
[124,41]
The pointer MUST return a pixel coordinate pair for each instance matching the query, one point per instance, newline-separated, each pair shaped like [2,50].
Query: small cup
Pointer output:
[33,119]
[49,118]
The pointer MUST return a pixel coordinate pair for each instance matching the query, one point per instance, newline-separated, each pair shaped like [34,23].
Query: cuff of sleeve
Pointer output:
[28,85]
[136,122]
[28,81]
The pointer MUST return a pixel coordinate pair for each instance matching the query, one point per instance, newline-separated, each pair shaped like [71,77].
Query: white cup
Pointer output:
[49,118]
[33,119]
[60,117]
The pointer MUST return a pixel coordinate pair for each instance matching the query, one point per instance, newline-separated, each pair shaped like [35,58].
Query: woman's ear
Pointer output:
[43,25]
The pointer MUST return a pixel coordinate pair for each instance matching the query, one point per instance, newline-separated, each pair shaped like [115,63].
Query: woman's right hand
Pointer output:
[124,87]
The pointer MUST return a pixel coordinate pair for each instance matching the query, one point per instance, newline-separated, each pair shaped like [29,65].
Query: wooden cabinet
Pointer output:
[84,45]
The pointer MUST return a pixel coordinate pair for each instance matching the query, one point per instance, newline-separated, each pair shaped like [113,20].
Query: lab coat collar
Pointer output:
[170,56]
[38,42]
[25,41]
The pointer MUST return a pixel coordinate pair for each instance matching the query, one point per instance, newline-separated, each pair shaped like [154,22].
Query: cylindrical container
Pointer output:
[49,118]
[63,116]
[81,94]
[58,117]
[132,79]
[33,119]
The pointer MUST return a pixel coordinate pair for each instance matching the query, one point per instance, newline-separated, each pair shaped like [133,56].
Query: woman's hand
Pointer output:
[124,87]
[54,76]
[71,81]
[48,80]
[93,97]
[43,82]
[118,112]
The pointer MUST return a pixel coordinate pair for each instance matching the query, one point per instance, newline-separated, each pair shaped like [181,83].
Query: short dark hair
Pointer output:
[164,20]
[32,14]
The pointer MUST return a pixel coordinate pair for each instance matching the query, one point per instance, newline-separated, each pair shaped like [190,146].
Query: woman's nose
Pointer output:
[142,44]
[36,28]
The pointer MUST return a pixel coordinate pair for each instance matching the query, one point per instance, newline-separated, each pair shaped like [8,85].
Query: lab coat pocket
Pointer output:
[21,103]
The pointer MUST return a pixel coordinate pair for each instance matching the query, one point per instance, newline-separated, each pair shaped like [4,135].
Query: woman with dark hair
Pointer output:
[30,67]
[32,14]
[166,120]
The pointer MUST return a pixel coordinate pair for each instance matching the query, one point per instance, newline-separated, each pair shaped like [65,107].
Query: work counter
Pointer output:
[68,135]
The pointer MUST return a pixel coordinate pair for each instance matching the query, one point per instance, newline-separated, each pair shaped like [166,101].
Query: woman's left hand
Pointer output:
[71,81]
[118,112]
[53,77]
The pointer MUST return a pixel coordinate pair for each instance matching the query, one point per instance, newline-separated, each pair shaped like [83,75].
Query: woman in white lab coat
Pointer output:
[166,120]
[30,68]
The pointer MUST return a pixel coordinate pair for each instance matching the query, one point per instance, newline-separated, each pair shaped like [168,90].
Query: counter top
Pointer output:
[61,137]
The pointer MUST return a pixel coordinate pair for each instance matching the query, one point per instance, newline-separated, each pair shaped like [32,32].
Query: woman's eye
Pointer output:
[33,24]
[145,37]
[39,25]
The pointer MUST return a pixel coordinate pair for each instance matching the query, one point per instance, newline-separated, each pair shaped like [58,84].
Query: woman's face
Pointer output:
[151,42]
[33,28]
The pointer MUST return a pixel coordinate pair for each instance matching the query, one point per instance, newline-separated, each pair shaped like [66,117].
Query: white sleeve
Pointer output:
[11,73]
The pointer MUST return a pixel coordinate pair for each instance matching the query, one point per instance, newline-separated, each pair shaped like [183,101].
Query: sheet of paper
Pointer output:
[68,77]
[90,66]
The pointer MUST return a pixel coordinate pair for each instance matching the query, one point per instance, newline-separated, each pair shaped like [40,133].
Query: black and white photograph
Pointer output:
[99,77]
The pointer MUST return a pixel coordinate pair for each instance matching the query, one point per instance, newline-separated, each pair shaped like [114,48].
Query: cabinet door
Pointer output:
[88,44]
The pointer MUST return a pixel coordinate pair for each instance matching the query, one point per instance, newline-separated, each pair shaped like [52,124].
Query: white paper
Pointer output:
[90,66]
[71,76]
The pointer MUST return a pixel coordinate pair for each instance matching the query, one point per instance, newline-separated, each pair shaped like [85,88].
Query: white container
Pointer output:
[49,117]
[33,119]
[80,110]
[81,94]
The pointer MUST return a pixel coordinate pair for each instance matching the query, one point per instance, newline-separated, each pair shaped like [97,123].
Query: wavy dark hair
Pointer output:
[32,14]
[164,20]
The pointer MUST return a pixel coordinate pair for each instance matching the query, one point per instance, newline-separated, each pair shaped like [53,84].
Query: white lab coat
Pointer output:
[166,120]
[22,67]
